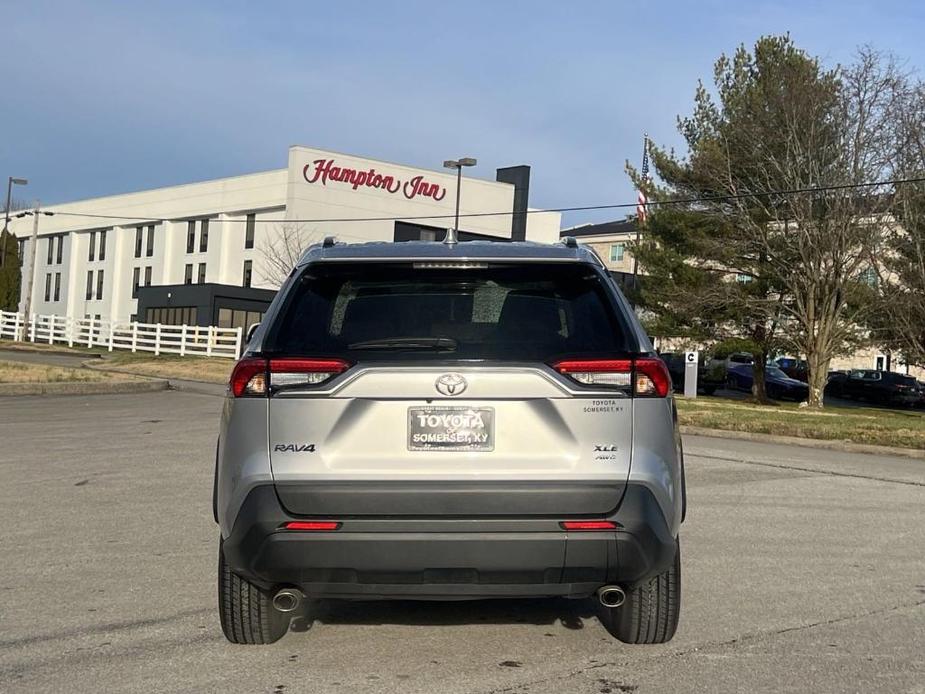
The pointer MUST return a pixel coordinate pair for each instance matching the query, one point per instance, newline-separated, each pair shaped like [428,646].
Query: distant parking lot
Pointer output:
[804,571]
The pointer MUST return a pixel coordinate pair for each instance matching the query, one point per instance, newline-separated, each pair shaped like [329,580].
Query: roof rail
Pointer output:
[570,242]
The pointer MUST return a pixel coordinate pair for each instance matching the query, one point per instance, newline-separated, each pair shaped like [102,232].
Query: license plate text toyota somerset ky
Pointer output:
[451,428]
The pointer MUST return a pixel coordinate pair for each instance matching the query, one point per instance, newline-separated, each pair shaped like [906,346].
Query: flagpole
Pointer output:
[641,208]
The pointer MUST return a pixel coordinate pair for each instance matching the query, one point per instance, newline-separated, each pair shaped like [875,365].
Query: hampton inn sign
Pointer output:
[326,170]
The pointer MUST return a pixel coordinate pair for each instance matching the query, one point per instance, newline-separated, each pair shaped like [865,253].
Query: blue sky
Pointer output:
[107,97]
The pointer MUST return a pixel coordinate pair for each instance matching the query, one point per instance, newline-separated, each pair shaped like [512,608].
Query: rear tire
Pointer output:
[246,612]
[651,610]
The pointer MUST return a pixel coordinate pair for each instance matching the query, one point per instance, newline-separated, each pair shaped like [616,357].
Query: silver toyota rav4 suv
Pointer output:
[437,421]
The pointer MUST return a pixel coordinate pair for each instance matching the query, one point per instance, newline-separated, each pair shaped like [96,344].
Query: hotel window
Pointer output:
[148,276]
[60,248]
[204,236]
[190,236]
[869,276]
[99,284]
[139,232]
[202,273]
[92,246]
[234,318]
[248,271]
[172,315]
[48,287]
[149,251]
[616,252]
[57,286]
[89,284]
[136,276]
[743,278]
[51,250]
[103,244]
[188,274]
[249,232]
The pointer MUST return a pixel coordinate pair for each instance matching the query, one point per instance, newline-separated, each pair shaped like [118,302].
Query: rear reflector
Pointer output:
[588,525]
[312,526]
[647,376]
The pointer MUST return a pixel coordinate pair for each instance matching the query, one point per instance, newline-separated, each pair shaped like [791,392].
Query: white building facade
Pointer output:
[92,255]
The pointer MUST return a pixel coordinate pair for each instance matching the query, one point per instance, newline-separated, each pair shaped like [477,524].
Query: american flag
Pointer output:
[641,200]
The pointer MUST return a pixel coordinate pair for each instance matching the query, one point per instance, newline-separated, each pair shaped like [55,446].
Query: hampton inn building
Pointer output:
[203,253]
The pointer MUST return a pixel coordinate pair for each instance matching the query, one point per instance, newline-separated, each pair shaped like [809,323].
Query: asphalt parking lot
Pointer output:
[804,570]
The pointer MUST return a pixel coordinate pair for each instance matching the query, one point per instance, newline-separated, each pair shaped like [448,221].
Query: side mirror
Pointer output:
[250,332]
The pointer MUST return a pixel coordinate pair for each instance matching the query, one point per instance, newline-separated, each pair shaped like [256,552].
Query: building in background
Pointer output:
[201,253]
[611,241]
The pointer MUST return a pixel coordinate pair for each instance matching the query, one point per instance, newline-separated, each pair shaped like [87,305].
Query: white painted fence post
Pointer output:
[70,331]
[51,328]
[32,329]
[112,334]
[211,336]
[157,340]
[16,327]
[90,333]
[183,341]
[135,336]
[238,336]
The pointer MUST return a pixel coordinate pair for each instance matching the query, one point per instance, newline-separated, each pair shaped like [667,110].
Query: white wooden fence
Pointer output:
[137,337]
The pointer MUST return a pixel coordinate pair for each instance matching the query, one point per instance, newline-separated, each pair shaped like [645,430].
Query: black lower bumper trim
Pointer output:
[445,558]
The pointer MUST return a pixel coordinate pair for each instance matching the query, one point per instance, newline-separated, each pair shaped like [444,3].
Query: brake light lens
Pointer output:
[647,376]
[312,526]
[254,377]
[588,525]
[249,378]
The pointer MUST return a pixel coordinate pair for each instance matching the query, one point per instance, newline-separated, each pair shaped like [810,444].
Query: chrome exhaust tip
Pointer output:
[611,596]
[287,600]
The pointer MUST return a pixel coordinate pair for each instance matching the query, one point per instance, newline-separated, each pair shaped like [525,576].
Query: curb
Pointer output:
[78,388]
[185,385]
[55,352]
[828,444]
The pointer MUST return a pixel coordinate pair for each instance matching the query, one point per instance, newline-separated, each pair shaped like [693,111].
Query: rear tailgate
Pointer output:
[517,442]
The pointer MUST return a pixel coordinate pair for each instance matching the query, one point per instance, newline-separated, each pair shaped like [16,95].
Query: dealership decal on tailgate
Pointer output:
[451,428]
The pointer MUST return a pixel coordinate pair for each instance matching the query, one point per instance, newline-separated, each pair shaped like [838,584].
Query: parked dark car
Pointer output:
[777,384]
[835,383]
[793,367]
[921,401]
[710,373]
[880,387]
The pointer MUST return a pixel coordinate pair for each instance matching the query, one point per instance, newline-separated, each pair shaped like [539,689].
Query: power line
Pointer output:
[582,208]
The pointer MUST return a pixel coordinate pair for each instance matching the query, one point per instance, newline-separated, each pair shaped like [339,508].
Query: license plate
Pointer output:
[451,428]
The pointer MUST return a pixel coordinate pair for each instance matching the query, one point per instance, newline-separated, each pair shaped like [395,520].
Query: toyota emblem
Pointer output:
[451,384]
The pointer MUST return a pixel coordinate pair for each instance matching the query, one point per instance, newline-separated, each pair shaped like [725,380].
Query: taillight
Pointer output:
[254,377]
[646,376]
[249,378]
[588,525]
[309,372]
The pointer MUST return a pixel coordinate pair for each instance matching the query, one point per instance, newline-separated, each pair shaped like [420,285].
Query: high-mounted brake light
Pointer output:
[254,377]
[647,376]
[312,526]
[588,525]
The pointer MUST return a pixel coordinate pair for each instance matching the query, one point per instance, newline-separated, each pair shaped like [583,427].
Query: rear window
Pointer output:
[397,311]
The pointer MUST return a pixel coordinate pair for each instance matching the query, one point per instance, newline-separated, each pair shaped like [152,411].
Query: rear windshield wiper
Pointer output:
[434,343]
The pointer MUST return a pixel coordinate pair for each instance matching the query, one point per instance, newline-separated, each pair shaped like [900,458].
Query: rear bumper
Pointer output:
[446,558]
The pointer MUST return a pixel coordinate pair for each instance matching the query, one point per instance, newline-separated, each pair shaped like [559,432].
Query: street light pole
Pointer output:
[457,164]
[33,244]
[6,220]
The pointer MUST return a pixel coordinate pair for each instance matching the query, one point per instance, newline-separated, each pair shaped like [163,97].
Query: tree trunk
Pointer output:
[759,391]
[818,367]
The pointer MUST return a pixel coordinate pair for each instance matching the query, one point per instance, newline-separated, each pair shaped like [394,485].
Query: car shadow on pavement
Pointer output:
[572,614]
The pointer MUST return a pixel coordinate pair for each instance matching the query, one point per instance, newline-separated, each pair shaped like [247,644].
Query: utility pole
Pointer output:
[6,219]
[30,287]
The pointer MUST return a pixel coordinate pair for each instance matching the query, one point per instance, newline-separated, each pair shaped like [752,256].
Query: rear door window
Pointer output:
[369,311]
